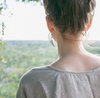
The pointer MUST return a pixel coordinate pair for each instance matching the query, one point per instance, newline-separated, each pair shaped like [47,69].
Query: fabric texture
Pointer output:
[50,82]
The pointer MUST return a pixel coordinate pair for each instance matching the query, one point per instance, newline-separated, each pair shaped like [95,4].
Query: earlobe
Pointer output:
[89,25]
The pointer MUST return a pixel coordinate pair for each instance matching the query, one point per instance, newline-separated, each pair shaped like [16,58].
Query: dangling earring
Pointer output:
[86,36]
[50,39]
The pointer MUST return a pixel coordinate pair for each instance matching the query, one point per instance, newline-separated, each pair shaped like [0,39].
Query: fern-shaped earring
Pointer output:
[51,39]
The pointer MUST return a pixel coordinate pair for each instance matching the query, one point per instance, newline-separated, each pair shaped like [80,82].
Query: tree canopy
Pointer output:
[31,0]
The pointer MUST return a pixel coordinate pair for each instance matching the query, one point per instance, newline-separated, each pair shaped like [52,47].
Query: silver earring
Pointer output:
[84,34]
[51,39]
[87,35]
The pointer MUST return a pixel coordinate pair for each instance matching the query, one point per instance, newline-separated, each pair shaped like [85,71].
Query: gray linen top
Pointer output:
[50,82]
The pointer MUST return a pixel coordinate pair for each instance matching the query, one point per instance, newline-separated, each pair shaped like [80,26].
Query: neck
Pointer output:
[70,48]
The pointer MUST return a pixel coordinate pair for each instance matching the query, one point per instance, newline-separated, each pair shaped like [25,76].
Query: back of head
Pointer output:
[69,15]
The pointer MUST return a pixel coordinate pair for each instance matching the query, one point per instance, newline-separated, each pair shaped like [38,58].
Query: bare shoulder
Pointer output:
[96,59]
[95,56]
[88,61]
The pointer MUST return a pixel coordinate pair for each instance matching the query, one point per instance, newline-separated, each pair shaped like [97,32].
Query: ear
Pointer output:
[89,25]
[49,25]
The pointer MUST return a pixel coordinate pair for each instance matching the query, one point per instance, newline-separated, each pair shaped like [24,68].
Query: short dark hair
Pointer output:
[69,15]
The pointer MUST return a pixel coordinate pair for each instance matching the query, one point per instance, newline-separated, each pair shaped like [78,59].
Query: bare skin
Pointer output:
[72,56]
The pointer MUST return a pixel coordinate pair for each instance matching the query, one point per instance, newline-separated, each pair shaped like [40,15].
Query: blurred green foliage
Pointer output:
[31,0]
[37,1]
[2,25]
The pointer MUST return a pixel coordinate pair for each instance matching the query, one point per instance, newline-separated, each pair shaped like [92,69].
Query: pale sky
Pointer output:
[28,23]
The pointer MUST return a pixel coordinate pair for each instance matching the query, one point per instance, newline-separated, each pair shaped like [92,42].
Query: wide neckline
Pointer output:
[81,72]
